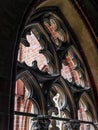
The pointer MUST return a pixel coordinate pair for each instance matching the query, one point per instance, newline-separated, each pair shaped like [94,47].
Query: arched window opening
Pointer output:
[86,113]
[21,104]
[60,99]
[51,77]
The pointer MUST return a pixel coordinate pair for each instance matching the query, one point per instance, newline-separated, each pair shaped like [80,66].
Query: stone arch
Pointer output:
[8,62]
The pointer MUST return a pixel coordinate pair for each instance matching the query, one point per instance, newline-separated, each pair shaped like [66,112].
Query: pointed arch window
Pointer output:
[50,69]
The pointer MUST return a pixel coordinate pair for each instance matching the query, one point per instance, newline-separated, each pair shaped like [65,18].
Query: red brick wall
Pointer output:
[31,53]
[21,104]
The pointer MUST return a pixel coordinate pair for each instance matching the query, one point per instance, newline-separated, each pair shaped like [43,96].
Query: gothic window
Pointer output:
[52,80]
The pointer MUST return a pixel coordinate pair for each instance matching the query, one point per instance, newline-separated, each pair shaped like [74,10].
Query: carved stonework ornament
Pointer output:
[56,84]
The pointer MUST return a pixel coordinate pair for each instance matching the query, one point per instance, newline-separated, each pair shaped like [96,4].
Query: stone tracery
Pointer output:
[42,83]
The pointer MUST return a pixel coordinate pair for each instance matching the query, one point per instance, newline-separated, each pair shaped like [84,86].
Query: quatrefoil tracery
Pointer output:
[51,34]
[58,34]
